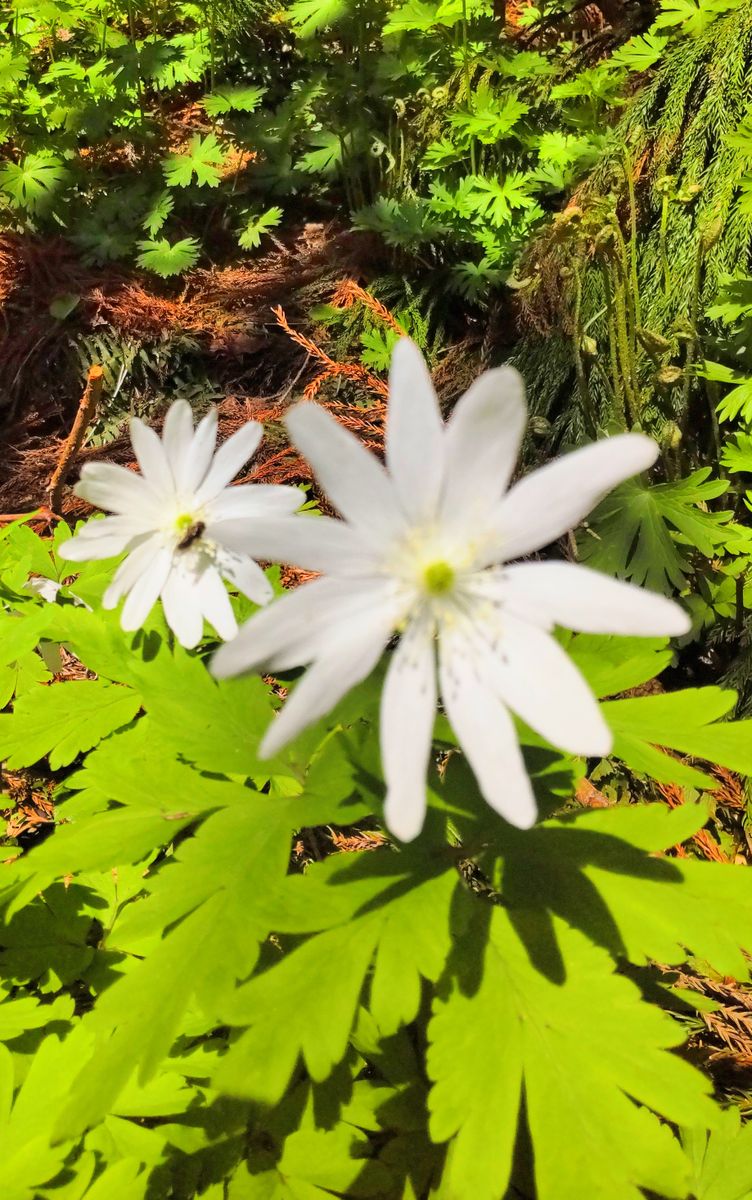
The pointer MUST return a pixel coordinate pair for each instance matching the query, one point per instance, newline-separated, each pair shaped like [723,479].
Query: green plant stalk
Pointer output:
[693,346]
[212,28]
[663,246]
[577,332]
[349,195]
[139,80]
[618,393]
[627,362]
[633,237]
[466,73]
[631,301]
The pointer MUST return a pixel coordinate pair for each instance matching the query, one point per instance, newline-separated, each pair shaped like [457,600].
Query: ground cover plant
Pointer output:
[374,719]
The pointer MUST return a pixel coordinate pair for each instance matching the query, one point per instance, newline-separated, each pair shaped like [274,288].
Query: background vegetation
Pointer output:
[216,978]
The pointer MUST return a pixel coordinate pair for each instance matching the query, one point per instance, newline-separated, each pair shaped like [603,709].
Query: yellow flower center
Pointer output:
[184,522]
[438,578]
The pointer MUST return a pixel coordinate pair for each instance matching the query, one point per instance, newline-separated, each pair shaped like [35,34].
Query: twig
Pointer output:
[86,409]
[348,291]
[352,371]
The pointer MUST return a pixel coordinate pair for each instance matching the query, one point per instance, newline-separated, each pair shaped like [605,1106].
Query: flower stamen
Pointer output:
[438,578]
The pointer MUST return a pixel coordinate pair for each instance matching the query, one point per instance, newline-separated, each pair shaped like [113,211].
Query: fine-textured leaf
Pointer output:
[202,159]
[62,720]
[257,225]
[34,182]
[233,99]
[680,721]
[166,258]
[640,532]
[310,16]
[722,1160]
[505,1025]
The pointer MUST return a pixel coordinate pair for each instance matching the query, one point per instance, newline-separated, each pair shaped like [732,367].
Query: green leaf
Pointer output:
[495,199]
[378,345]
[165,258]
[313,993]
[257,225]
[63,305]
[62,720]
[202,159]
[158,213]
[34,182]
[306,1004]
[640,532]
[221,728]
[692,16]
[214,888]
[640,53]
[721,1160]
[233,99]
[681,721]
[326,155]
[736,403]
[309,17]
[504,1025]
[615,664]
[597,871]
[490,119]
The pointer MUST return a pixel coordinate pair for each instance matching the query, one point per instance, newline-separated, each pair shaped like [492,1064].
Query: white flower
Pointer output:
[422,552]
[176,522]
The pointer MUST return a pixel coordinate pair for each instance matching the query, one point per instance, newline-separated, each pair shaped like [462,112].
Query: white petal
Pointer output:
[562,593]
[195,461]
[131,570]
[118,490]
[486,734]
[531,673]
[152,458]
[414,433]
[102,539]
[182,608]
[313,543]
[408,710]
[177,434]
[556,497]
[277,627]
[215,603]
[231,456]
[245,574]
[353,478]
[251,500]
[482,443]
[48,589]
[359,645]
[295,629]
[145,591]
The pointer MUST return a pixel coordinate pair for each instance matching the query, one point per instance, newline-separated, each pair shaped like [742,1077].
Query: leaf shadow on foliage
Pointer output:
[556,859]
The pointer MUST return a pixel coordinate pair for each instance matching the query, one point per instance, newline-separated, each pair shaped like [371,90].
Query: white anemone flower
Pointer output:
[423,553]
[171,522]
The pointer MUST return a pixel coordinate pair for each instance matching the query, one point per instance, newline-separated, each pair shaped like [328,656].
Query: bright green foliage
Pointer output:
[87,96]
[647,533]
[199,995]
[233,99]
[202,159]
[34,182]
[63,720]
[257,225]
[371,1024]
[680,721]
[166,258]
[534,1021]
[693,16]
[722,1162]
